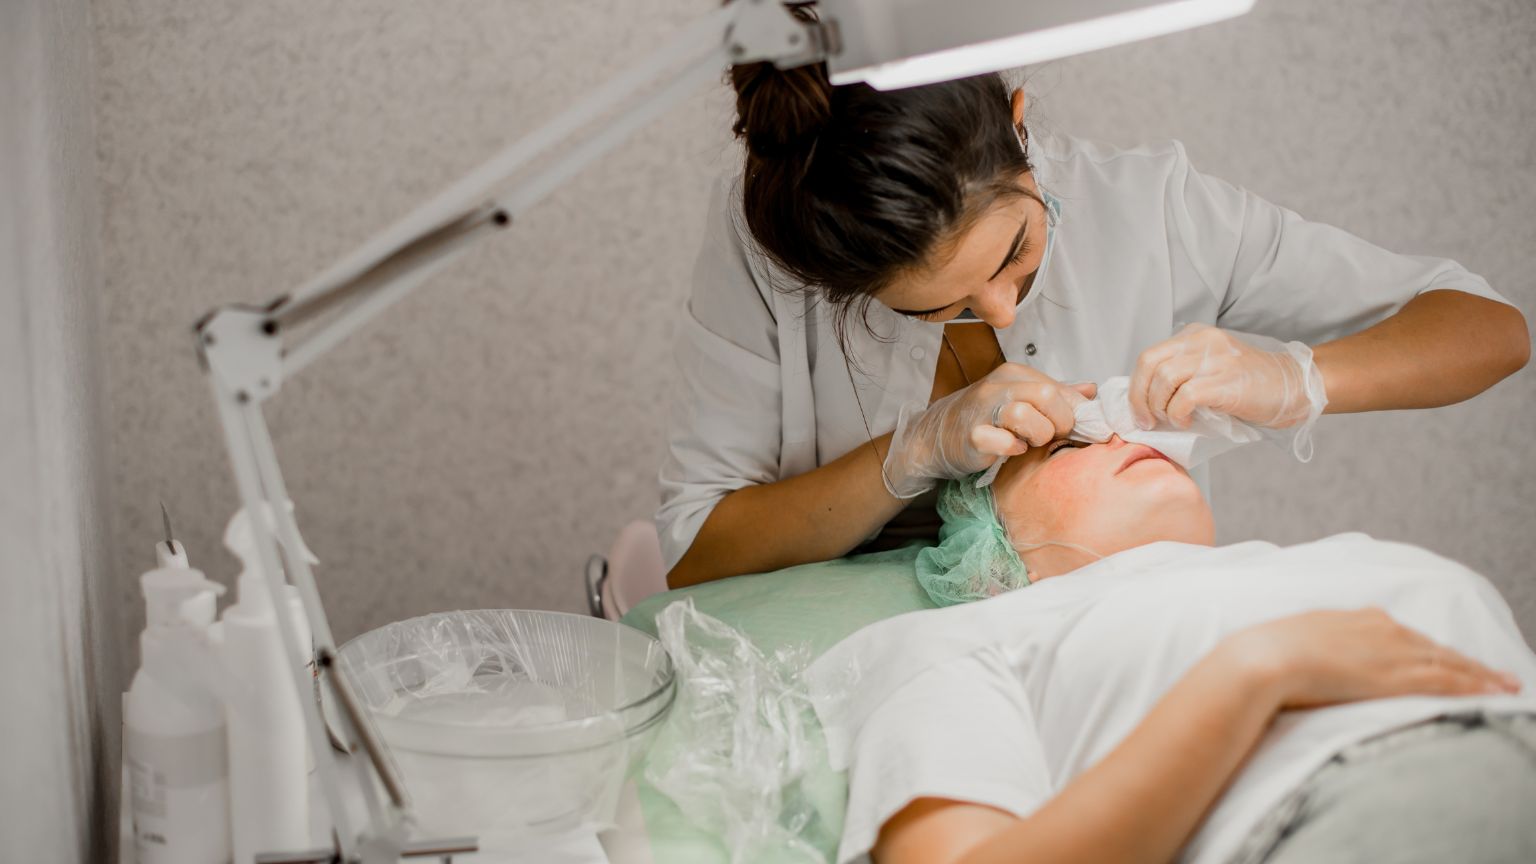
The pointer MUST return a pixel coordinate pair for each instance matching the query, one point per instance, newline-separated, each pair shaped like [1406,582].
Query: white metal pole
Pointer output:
[303,578]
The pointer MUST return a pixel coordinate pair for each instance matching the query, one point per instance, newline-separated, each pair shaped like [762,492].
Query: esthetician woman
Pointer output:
[900,287]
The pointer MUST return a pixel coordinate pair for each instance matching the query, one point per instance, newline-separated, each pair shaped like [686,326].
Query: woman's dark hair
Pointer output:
[845,188]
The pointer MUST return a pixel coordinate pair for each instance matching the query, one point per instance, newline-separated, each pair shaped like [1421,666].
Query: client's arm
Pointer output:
[1144,800]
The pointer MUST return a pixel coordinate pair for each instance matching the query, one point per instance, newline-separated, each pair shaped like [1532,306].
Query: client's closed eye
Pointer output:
[1064,444]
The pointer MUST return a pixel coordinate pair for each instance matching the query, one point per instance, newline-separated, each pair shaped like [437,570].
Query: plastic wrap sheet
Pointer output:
[740,753]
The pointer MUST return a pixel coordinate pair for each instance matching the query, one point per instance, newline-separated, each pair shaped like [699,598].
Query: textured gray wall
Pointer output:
[59,617]
[475,444]
[478,442]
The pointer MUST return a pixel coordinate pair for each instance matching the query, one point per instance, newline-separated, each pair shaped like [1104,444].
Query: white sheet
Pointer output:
[1091,651]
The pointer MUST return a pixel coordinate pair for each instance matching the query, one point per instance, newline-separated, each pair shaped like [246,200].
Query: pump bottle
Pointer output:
[173,726]
[268,768]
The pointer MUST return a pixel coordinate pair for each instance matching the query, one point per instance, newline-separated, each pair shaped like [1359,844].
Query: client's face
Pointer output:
[1103,497]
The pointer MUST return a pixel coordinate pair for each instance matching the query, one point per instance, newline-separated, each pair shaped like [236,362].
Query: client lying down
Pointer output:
[1149,696]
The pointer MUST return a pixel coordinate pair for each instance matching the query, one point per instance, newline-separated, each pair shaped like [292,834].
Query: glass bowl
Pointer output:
[513,722]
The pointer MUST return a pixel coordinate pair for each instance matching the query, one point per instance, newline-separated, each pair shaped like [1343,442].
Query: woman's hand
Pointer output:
[1005,413]
[1333,656]
[1206,367]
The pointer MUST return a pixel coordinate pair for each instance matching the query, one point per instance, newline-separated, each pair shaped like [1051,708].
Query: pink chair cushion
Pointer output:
[635,568]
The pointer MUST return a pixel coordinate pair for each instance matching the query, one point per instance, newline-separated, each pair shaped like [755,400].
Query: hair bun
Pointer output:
[780,111]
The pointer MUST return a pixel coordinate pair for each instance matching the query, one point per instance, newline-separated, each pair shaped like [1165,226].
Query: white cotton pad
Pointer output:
[1209,434]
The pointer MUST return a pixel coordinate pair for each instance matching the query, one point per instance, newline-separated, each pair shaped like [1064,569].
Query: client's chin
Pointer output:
[1172,506]
[1155,501]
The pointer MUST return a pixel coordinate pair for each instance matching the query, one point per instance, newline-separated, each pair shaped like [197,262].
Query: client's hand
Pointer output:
[1326,657]
[1207,367]
[1005,413]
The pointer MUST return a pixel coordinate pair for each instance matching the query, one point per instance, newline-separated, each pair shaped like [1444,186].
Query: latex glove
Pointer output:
[1252,378]
[1004,414]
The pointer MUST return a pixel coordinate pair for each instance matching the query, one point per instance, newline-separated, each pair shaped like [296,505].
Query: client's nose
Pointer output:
[1114,441]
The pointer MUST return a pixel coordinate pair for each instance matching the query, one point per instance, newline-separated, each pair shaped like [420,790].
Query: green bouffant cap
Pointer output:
[974,559]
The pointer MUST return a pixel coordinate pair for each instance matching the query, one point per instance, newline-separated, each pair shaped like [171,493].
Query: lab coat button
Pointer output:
[918,353]
[1030,349]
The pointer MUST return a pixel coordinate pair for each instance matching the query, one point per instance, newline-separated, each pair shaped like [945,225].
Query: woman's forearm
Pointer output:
[1142,802]
[818,515]
[1440,348]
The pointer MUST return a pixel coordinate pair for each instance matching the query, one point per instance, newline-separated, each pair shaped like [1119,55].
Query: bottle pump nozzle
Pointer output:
[240,540]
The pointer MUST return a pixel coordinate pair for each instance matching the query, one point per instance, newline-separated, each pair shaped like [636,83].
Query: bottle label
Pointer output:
[176,760]
[180,796]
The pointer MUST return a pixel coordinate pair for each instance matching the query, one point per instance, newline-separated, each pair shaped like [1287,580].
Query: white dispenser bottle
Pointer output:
[269,796]
[173,726]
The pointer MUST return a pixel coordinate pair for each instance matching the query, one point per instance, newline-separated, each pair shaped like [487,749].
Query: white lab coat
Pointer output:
[1140,245]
